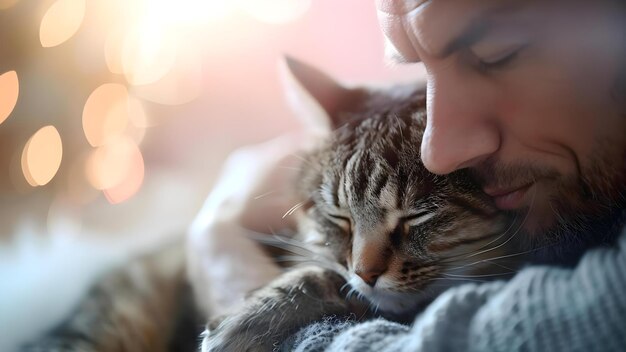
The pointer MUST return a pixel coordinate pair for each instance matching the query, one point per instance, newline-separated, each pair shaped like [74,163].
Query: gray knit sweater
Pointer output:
[540,309]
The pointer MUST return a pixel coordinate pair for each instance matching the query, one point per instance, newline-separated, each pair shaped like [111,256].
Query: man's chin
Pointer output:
[561,235]
[538,217]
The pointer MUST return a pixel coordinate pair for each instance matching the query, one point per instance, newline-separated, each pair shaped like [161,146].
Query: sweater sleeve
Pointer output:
[540,309]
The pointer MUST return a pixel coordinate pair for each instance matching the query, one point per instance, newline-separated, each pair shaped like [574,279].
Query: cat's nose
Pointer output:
[370,258]
[369,275]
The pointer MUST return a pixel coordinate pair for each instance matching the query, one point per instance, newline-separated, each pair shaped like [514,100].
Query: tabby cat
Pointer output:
[384,236]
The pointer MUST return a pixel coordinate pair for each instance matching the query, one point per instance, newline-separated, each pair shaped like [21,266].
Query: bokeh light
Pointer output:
[5,4]
[132,181]
[113,48]
[116,168]
[25,168]
[275,11]
[107,165]
[181,85]
[9,91]
[148,54]
[106,113]
[170,13]
[42,156]
[137,115]
[61,22]
[138,120]
[156,49]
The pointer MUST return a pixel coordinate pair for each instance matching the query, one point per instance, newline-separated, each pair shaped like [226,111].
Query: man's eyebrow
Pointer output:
[470,36]
[478,28]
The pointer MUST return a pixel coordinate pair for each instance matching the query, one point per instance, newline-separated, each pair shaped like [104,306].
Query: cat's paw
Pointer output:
[234,334]
[274,312]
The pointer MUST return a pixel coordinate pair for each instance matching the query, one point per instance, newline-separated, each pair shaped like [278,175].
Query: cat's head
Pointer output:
[402,233]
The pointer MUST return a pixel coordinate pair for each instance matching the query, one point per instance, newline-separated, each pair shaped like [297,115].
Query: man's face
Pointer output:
[524,95]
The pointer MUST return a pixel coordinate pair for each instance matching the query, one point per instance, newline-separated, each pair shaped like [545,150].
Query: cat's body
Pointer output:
[146,305]
[384,235]
[381,235]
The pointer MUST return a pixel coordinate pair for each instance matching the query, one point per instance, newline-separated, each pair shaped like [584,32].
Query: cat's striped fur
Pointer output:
[144,306]
[379,209]
[384,234]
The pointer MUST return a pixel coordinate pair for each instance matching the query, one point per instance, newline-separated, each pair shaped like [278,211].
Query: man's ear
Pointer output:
[316,97]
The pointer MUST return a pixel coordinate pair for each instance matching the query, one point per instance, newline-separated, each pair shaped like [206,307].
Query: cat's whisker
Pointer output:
[294,258]
[464,255]
[302,252]
[294,168]
[333,267]
[509,239]
[305,160]
[503,243]
[502,257]
[263,195]
[435,285]
[457,279]
[455,258]
[521,225]
[478,275]
[293,209]
[286,243]
[299,250]
[501,266]
[498,238]
[474,253]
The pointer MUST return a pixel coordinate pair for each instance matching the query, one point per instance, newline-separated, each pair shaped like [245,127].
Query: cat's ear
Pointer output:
[318,99]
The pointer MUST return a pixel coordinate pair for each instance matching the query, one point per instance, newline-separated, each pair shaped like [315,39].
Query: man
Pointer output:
[529,97]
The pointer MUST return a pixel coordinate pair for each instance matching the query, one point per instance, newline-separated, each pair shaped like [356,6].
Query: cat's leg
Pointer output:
[272,313]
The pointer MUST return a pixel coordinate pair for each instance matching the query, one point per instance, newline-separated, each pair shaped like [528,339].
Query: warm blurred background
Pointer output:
[115,115]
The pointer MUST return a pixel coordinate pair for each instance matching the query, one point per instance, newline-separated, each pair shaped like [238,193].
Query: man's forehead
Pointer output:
[429,25]
[399,43]
[399,7]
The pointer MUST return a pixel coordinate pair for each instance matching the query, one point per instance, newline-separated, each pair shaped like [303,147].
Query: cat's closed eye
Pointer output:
[417,218]
[414,219]
[340,220]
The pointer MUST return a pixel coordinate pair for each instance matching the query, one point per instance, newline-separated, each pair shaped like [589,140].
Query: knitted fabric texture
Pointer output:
[541,309]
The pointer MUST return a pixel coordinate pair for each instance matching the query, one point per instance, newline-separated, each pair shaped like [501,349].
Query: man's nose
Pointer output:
[460,130]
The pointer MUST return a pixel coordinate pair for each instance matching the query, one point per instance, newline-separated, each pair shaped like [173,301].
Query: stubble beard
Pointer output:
[586,210]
